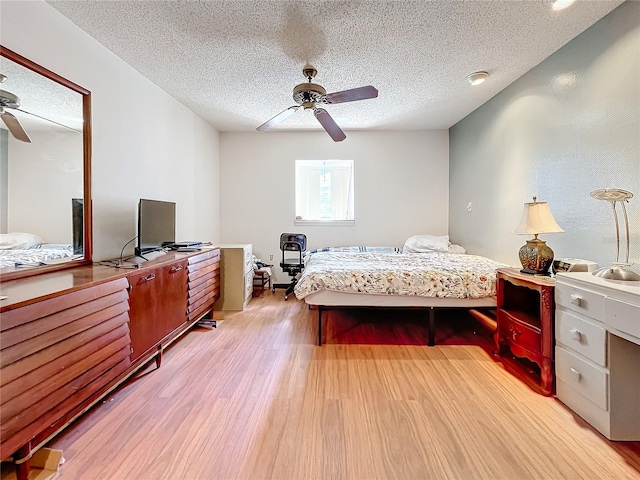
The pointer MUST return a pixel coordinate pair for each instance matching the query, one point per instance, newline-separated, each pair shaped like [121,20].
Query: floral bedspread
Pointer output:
[419,274]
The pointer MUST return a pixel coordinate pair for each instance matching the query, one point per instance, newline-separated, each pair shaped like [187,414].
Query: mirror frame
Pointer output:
[86,146]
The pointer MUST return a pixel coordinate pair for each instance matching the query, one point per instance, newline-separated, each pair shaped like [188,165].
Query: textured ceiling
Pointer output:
[235,63]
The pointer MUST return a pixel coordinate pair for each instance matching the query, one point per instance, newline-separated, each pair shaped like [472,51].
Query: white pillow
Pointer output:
[21,241]
[426,243]
[453,248]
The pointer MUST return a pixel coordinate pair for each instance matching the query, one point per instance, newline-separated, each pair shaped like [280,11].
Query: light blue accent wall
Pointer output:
[567,127]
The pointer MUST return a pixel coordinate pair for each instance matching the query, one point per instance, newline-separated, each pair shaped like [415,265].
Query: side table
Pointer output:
[525,317]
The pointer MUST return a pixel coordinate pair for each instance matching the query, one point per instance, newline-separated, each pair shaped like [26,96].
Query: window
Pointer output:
[324,191]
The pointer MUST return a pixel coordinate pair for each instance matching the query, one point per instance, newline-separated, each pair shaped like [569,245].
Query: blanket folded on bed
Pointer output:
[428,275]
[353,249]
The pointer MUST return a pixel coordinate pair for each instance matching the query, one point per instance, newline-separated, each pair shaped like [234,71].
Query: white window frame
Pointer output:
[348,183]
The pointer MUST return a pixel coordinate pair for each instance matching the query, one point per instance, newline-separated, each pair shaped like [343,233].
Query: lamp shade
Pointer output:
[536,218]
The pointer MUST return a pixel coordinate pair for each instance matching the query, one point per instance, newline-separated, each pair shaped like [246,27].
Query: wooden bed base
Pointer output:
[484,318]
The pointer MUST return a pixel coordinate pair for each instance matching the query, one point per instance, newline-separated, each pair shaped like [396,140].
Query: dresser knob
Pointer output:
[576,334]
[576,299]
[576,374]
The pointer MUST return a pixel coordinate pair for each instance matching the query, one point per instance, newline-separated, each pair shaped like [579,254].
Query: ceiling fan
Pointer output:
[308,95]
[9,100]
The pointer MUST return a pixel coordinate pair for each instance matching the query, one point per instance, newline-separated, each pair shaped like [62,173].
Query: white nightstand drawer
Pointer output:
[248,285]
[586,378]
[623,316]
[248,263]
[593,414]
[586,302]
[581,336]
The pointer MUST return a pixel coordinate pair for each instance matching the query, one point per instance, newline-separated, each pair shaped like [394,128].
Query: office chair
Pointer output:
[292,245]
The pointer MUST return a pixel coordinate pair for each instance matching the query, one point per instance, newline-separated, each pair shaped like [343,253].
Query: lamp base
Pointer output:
[534,272]
[617,272]
[536,257]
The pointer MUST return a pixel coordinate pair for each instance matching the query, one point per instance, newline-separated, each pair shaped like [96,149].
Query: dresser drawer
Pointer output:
[589,411]
[248,286]
[520,334]
[586,302]
[586,378]
[623,316]
[583,337]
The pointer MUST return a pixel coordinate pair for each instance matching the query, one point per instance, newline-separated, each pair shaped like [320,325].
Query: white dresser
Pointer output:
[597,351]
[236,276]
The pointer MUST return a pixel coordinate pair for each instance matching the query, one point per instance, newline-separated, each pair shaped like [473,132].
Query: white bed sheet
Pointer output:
[340,299]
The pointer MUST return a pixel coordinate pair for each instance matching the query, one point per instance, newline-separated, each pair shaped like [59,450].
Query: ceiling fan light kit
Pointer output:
[309,95]
[476,78]
[562,4]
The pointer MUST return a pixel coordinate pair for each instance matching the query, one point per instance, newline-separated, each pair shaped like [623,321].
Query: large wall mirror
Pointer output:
[45,170]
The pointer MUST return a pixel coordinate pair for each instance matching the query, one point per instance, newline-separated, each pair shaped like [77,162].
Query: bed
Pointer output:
[383,277]
[24,250]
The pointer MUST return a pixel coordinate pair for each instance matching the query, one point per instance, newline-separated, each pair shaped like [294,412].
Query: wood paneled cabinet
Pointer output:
[56,356]
[236,272]
[158,300]
[68,338]
[203,284]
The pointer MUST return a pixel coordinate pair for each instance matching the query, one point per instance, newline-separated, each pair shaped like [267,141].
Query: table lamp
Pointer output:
[536,257]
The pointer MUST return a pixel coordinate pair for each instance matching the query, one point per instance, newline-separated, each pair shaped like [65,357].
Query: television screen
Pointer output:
[77,220]
[156,224]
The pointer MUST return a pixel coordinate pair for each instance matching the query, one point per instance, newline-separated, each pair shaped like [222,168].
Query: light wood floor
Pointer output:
[257,399]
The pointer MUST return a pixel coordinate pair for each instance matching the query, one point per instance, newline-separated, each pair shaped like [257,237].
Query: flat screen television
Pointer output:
[77,221]
[156,225]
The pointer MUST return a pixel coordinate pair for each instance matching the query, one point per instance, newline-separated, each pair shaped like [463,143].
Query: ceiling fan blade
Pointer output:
[278,118]
[329,124]
[14,127]
[49,120]
[360,93]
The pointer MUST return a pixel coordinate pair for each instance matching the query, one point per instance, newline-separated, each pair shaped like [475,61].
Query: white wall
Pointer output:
[145,143]
[401,187]
[50,165]
[569,126]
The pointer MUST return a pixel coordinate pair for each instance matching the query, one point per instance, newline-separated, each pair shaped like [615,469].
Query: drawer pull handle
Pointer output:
[576,374]
[175,269]
[148,278]
[576,299]
[576,334]
[514,333]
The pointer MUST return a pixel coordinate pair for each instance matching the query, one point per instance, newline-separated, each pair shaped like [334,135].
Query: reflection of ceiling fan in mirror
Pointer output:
[56,105]
[309,95]
[9,100]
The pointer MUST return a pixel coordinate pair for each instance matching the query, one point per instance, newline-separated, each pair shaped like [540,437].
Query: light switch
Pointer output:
[469,207]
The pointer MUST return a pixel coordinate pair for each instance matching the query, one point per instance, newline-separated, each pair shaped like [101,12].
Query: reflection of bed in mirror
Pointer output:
[27,250]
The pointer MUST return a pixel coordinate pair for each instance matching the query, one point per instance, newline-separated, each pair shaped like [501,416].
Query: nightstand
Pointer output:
[525,316]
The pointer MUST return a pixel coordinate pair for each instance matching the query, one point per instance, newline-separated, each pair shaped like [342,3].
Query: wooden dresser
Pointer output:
[68,338]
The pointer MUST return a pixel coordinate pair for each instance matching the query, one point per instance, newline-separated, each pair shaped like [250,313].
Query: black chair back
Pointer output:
[288,241]
[292,246]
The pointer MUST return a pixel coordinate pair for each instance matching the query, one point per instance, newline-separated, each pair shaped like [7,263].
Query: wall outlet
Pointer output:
[270,257]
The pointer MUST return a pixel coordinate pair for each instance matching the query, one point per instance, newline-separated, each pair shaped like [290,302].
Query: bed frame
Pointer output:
[326,300]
